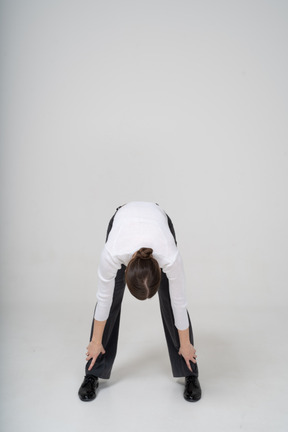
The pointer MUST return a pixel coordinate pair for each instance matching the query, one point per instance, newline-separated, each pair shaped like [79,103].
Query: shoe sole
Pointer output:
[87,400]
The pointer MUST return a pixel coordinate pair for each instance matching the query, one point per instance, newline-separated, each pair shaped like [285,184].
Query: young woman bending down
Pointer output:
[141,251]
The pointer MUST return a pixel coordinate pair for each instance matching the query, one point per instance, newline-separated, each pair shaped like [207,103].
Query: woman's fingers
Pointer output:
[188,365]
[189,356]
[92,363]
[93,353]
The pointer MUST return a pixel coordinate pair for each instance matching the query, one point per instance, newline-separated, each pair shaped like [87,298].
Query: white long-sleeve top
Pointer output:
[137,225]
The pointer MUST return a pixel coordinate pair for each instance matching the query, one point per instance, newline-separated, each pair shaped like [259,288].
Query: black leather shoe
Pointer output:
[87,391]
[192,391]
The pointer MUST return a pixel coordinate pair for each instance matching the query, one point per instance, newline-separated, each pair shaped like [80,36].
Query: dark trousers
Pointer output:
[103,365]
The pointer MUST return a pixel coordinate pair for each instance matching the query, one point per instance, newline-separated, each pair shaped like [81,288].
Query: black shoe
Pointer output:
[87,391]
[192,391]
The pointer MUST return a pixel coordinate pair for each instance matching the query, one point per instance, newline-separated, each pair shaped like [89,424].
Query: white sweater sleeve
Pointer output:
[176,277]
[107,271]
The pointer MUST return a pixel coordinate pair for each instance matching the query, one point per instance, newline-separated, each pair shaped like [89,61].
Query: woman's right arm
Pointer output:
[107,271]
[95,347]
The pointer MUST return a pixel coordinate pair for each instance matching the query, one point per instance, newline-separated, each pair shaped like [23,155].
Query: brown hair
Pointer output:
[143,274]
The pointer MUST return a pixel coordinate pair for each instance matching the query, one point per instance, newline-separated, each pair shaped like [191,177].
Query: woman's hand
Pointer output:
[93,351]
[188,352]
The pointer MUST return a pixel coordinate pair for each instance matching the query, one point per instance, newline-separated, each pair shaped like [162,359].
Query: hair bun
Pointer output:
[144,253]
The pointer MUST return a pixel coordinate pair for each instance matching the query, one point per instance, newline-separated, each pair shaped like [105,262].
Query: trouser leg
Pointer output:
[103,365]
[178,364]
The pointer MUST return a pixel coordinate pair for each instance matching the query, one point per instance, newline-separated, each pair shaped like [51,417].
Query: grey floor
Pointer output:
[242,356]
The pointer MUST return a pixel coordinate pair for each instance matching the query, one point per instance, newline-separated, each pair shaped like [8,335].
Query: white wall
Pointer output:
[179,102]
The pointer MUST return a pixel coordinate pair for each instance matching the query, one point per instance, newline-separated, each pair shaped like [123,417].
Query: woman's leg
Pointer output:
[103,365]
[178,364]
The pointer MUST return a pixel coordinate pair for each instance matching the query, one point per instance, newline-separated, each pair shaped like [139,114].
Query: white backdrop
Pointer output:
[179,102]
